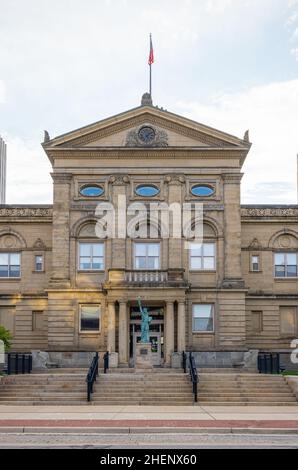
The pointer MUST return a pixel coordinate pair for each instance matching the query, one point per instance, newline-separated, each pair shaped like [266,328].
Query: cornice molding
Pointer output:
[150,119]
[133,153]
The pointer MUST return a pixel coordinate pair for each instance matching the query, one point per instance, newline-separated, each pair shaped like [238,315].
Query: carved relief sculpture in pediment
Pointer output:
[147,136]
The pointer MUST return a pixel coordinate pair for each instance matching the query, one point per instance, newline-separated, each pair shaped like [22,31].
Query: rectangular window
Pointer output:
[10,265]
[90,318]
[255,263]
[288,321]
[257,322]
[203,317]
[202,256]
[37,321]
[91,256]
[39,263]
[147,256]
[285,264]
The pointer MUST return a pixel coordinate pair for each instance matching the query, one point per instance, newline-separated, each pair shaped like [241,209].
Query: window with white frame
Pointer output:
[147,256]
[10,265]
[202,256]
[91,256]
[255,263]
[203,318]
[90,318]
[39,263]
[285,264]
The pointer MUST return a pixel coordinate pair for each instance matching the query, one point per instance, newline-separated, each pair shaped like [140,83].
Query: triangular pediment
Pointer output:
[127,130]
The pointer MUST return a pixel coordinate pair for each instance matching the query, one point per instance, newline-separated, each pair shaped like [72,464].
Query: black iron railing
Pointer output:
[19,363]
[106,362]
[92,375]
[194,376]
[184,362]
[269,363]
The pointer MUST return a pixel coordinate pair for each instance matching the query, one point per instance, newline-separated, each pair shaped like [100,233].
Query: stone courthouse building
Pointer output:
[64,290]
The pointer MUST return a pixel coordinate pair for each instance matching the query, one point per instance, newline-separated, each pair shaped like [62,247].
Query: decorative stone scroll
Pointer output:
[269,211]
[26,212]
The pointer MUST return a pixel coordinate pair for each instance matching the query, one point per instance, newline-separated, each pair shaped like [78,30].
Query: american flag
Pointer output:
[151,54]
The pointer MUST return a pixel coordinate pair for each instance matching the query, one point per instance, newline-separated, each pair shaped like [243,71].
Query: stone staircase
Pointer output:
[160,387]
[218,388]
[46,388]
[118,387]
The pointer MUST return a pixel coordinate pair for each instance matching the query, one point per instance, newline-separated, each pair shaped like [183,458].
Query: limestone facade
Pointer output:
[252,298]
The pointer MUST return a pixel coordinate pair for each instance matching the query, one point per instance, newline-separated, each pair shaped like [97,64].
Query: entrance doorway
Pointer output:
[156,333]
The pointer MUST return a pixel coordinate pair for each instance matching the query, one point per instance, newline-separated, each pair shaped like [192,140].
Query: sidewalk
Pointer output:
[130,419]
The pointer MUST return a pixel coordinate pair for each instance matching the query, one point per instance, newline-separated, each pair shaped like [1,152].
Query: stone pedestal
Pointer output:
[176,360]
[143,356]
[113,360]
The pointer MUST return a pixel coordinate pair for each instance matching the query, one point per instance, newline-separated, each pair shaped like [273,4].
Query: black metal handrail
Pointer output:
[184,362]
[106,362]
[194,376]
[91,376]
[19,363]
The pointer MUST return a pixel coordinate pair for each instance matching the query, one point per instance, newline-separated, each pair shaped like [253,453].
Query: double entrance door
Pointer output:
[156,334]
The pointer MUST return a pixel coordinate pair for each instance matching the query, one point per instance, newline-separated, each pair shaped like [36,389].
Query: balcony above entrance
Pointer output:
[147,278]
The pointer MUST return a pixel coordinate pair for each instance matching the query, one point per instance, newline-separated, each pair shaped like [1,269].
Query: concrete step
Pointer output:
[242,390]
[248,399]
[238,403]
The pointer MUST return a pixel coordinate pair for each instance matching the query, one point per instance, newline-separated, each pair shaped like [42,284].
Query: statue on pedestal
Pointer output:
[146,319]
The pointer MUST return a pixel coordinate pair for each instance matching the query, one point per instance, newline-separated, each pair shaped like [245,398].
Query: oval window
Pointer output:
[147,190]
[202,190]
[91,191]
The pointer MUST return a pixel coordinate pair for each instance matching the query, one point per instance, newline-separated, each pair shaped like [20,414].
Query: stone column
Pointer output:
[169,332]
[232,234]
[60,249]
[175,187]
[111,327]
[118,184]
[181,327]
[123,334]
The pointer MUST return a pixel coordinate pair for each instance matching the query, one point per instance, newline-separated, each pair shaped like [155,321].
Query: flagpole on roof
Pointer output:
[150,62]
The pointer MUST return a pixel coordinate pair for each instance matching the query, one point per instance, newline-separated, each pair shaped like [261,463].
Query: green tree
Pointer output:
[6,337]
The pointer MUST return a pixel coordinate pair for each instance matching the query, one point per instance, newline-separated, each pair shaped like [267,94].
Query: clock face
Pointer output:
[146,134]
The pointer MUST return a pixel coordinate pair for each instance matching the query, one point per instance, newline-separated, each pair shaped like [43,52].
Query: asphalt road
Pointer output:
[147,441]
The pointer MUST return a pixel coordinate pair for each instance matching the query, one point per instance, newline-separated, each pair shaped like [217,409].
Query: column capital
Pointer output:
[232,178]
[61,178]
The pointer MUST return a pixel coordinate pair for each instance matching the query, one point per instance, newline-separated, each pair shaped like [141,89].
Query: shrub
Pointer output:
[6,337]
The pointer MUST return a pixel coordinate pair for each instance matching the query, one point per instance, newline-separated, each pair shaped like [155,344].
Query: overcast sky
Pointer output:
[231,64]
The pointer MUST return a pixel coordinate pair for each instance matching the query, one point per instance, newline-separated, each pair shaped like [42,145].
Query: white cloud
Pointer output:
[294,52]
[271,114]
[28,173]
[2,92]
[218,6]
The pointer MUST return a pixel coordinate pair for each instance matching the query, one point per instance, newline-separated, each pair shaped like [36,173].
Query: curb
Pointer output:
[143,430]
